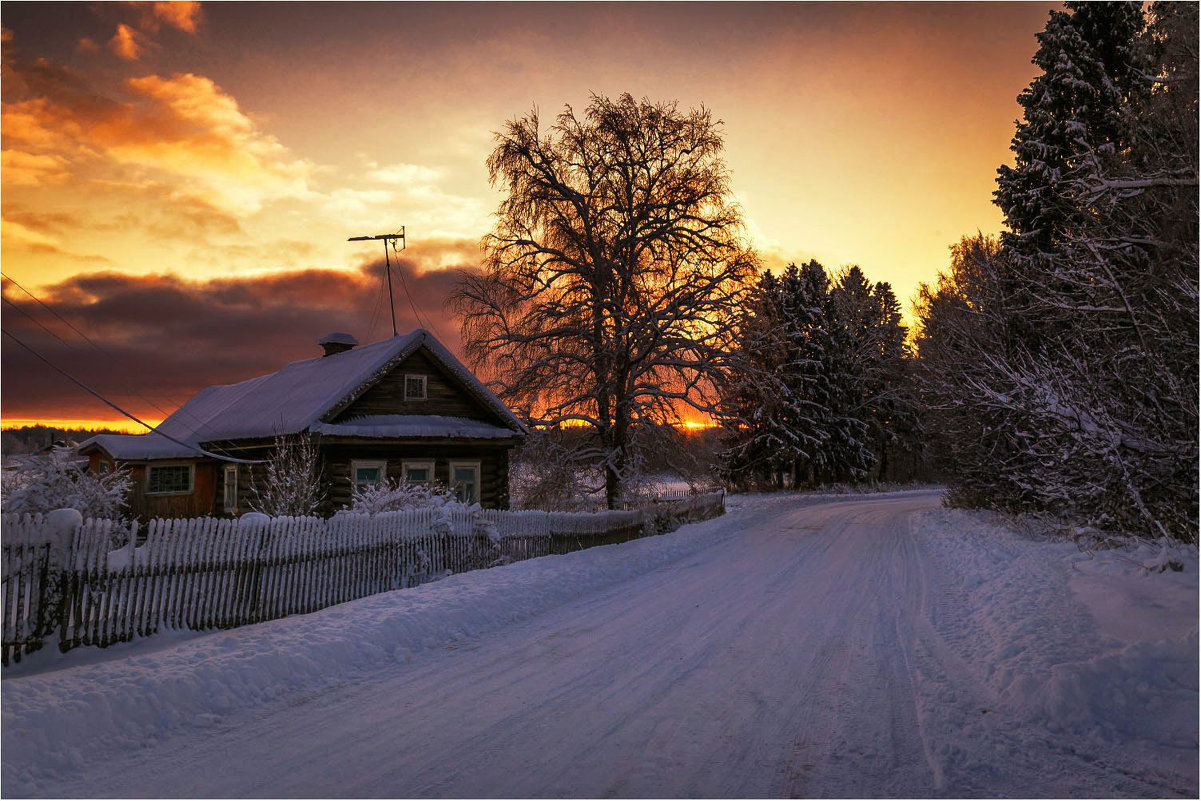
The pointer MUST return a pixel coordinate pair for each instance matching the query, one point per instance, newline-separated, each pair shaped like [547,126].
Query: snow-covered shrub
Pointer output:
[549,472]
[289,485]
[399,495]
[44,482]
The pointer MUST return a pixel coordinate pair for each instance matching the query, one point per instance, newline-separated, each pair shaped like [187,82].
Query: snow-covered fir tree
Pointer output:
[1077,366]
[817,391]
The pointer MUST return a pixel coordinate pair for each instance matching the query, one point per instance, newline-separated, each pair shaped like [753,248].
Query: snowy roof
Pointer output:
[413,425]
[298,397]
[140,446]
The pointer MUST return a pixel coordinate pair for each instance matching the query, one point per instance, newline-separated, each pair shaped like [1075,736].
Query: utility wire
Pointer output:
[69,346]
[408,294]
[180,410]
[379,302]
[52,311]
[39,323]
[112,405]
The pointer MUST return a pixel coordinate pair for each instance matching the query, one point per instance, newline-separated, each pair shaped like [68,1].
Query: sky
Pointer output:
[179,179]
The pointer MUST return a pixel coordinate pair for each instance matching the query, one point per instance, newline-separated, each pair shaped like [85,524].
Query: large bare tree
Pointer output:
[611,275]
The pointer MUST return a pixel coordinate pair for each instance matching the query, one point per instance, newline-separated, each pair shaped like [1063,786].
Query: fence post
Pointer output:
[54,610]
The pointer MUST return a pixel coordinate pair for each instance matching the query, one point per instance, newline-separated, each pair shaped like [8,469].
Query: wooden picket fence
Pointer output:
[206,573]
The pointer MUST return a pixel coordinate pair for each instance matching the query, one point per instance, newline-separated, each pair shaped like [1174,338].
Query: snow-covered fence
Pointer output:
[205,573]
[26,569]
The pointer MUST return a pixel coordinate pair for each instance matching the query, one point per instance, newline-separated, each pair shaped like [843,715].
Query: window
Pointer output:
[364,472]
[414,387]
[169,479]
[465,481]
[230,487]
[418,472]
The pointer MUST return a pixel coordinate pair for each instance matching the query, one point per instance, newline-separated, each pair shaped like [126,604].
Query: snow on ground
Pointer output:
[57,707]
[1091,648]
[800,645]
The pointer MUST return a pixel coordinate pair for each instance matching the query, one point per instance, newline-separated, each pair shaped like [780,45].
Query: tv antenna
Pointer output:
[390,239]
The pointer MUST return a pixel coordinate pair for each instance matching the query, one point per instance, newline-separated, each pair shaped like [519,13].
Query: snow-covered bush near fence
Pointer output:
[290,483]
[399,495]
[44,482]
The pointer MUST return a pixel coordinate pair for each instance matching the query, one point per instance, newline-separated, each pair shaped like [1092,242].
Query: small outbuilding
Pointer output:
[404,407]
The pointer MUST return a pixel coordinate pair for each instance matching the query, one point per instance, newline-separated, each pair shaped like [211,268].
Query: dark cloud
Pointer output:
[164,337]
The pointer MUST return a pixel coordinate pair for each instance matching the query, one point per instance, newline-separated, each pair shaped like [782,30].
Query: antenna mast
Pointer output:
[388,239]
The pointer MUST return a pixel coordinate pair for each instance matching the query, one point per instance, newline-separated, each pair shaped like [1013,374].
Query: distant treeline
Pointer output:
[31,439]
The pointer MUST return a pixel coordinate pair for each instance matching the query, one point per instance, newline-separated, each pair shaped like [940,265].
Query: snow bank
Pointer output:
[1091,644]
[54,721]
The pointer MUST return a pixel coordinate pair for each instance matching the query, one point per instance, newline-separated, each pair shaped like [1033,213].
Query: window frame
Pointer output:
[474,464]
[425,387]
[355,464]
[419,464]
[227,507]
[150,468]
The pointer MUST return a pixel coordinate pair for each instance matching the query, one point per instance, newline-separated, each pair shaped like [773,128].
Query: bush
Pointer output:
[45,482]
[399,496]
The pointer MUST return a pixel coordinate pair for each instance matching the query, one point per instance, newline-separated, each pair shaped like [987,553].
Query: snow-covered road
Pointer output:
[784,650]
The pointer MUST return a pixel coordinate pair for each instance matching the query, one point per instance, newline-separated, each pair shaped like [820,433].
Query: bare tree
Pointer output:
[611,276]
[289,484]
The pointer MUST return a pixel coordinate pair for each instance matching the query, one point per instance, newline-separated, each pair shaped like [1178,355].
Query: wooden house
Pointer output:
[404,407]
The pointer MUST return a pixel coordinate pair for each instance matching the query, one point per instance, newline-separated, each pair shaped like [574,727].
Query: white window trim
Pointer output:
[425,389]
[229,508]
[479,477]
[417,464]
[355,464]
[191,479]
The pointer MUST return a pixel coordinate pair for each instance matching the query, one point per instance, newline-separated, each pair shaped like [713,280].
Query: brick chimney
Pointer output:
[336,342]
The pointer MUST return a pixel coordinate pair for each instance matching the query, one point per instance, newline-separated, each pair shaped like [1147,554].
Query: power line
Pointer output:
[91,342]
[112,405]
[409,295]
[69,346]
[391,239]
[52,311]
[38,323]
[379,302]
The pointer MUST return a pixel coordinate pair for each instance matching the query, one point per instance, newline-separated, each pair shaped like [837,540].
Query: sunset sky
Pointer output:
[179,180]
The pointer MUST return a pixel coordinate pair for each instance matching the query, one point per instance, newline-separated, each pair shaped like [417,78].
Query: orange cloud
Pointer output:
[184,127]
[29,169]
[127,43]
[182,15]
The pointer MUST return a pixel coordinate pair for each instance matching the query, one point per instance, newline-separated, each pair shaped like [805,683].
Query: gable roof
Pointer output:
[296,398]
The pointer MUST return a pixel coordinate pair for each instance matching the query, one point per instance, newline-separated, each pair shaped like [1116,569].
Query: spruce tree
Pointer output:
[804,301]
[1063,373]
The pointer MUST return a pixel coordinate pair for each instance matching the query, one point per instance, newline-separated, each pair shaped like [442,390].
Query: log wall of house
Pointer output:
[247,474]
[493,459]
[199,502]
[443,396]
[335,469]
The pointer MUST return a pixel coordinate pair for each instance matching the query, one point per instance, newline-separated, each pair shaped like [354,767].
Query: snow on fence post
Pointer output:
[37,550]
[53,599]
